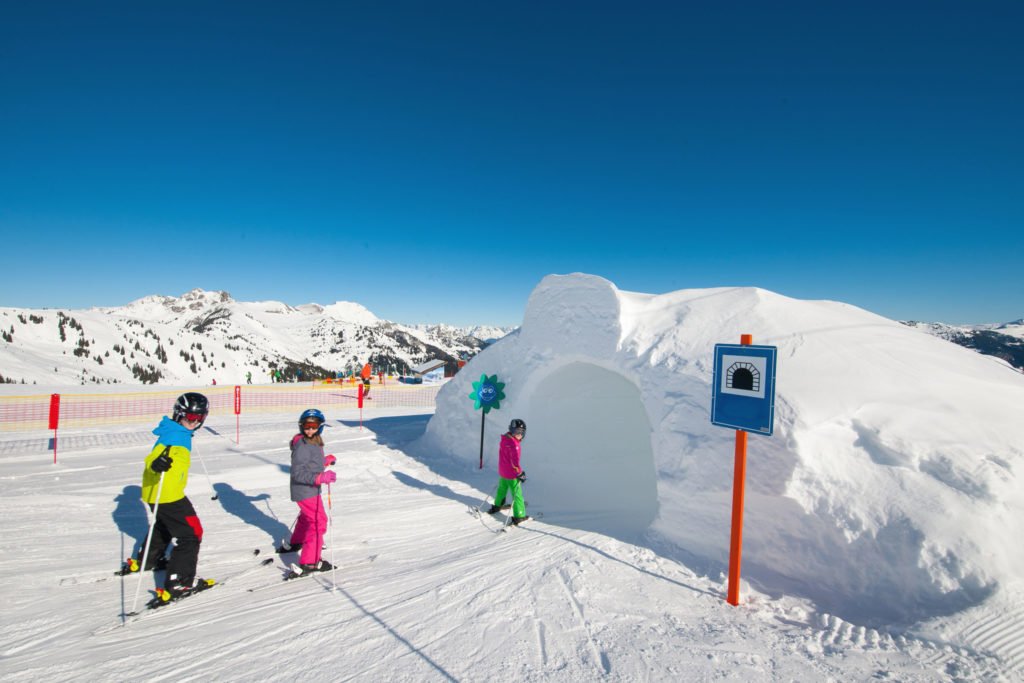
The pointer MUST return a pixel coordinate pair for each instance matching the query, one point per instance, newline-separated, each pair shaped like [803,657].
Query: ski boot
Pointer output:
[299,570]
[174,590]
[130,566]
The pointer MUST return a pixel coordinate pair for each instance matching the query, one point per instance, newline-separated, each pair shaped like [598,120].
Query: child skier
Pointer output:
[511,475]
[166,471]
[307,475]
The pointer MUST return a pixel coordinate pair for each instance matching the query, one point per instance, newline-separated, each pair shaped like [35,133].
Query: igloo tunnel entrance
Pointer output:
[588,455]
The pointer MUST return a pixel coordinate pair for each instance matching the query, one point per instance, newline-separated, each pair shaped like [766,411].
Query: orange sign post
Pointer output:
[739,480]
[742,398]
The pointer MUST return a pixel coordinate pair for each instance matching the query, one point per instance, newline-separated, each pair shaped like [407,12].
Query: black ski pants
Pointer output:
[177,520]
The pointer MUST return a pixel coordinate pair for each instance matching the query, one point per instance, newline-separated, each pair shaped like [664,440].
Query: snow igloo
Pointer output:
[883,435]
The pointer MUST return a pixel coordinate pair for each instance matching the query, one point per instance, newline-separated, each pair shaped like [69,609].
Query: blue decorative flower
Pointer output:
[488,393]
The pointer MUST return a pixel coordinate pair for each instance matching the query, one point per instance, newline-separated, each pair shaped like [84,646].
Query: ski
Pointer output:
[529,518]
[510,524]
[157,602]
[297,572]
[161,598]
[478,511]
[101,575]
[164,597]
[131,565]
[290,573]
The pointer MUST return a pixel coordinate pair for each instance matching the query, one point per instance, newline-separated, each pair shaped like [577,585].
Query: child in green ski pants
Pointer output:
[510,473]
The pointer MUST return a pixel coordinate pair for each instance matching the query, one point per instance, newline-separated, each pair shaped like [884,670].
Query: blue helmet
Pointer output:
[312,415]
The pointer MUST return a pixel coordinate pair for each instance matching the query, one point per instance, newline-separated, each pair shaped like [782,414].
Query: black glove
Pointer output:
[161,463]
[522,476]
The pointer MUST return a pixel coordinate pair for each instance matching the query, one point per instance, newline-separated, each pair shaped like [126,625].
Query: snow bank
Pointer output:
[889,491]
[348,311]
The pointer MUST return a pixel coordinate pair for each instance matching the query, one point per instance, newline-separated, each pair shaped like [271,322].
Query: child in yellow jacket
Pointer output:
[166,471]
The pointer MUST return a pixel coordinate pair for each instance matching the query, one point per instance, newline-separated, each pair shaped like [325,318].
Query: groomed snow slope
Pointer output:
[888,494]
[424,591]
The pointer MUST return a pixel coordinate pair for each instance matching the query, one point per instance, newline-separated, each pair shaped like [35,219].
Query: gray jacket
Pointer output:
[307,465]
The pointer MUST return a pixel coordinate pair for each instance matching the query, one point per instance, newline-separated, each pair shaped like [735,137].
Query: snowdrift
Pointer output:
[889,492]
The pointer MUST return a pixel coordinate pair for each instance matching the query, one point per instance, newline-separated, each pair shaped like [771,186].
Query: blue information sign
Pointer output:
[743,388]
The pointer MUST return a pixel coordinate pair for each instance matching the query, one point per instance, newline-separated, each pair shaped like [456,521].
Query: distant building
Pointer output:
[430,371]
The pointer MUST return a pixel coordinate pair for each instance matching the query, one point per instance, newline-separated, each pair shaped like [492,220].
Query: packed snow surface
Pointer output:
[424,590]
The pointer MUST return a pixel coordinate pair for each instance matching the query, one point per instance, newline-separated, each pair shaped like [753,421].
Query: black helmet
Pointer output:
[192,404]
[517,426]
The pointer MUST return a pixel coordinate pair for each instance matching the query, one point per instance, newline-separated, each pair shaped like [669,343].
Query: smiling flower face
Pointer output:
[488,393]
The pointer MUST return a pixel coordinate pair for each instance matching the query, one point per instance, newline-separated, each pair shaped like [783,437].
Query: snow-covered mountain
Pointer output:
[202,336]
[1002,340]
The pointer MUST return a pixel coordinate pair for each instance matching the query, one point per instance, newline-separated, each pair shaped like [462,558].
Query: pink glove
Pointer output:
[329,460]
[328,477]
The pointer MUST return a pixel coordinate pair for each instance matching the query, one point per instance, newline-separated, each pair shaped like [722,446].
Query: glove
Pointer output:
[328,477]
[522,476]
[329,460]
[161,463]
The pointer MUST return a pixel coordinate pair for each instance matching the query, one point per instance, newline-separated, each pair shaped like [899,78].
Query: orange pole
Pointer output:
[738,490]
[736,544]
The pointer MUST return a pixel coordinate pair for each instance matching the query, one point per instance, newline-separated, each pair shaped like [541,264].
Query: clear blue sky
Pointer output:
[434,160]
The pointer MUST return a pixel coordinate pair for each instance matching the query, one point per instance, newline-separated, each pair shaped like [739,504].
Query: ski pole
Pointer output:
[330,525]
[518,489]
[291,532]
[205,471]
[149,538]
[511,511]
[480,507]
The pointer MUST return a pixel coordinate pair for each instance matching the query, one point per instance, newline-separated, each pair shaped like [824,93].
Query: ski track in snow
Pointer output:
[1001,632]
[598,657]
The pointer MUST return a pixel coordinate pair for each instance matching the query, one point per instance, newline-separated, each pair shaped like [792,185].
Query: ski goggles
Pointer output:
[310,425]
[195,417]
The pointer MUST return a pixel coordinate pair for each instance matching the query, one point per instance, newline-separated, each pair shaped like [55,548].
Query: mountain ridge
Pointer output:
[207,336]
[1001,340]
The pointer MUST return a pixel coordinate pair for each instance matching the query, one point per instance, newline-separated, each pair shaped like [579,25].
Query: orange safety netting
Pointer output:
[27,413]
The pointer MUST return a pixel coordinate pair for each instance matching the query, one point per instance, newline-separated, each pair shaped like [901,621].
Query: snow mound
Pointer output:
[350,312]
[888,492]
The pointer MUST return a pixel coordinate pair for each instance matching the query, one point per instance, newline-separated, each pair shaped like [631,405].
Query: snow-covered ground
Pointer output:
[424,589]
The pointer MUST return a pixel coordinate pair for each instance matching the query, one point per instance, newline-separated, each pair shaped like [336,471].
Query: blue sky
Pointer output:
[434,160]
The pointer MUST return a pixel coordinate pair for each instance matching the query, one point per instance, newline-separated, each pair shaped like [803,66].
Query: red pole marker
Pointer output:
[360,405]
[54,421]
[238,410]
